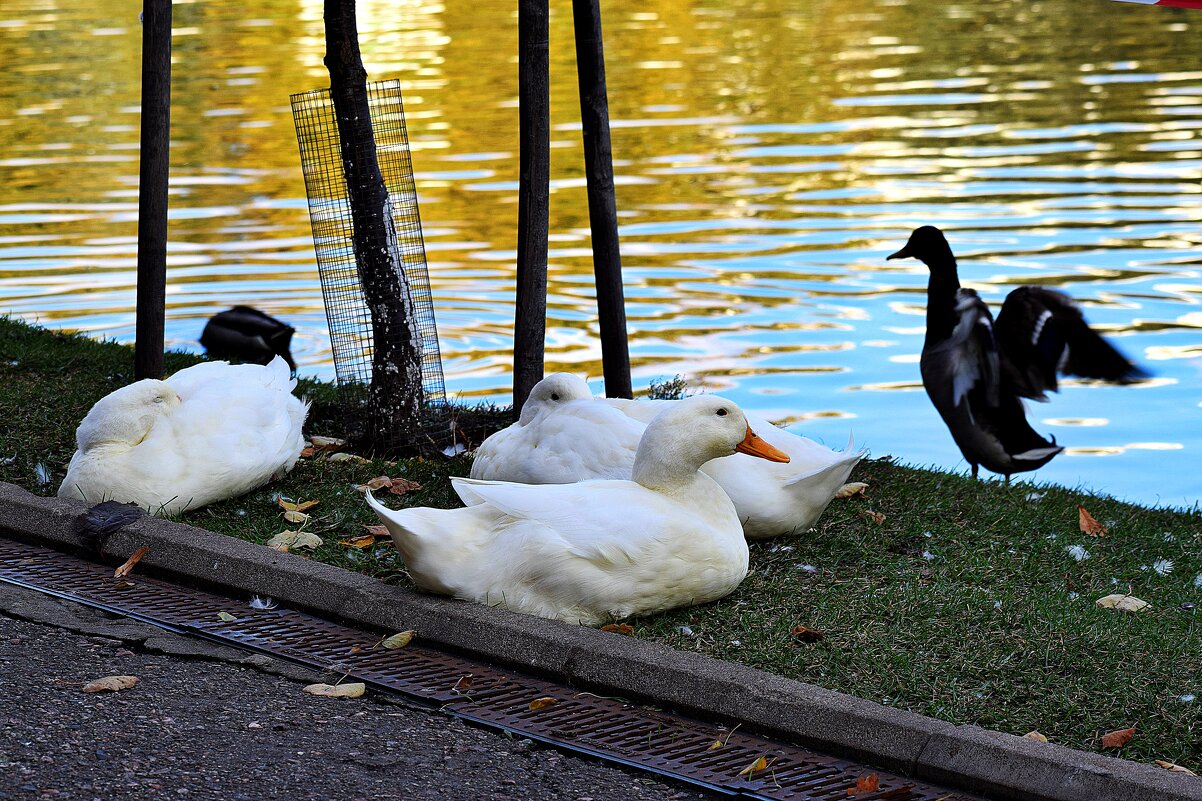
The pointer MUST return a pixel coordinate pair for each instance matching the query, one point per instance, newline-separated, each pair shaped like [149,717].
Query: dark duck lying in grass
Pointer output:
[977,370]
[245,334]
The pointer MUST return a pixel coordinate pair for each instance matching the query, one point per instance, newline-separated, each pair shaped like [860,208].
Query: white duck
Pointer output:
[562,436]
[597,550]
[566,435]
[209,432]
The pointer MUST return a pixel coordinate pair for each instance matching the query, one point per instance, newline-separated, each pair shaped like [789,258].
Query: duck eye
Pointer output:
[554,396]
[158,398]
[721,413]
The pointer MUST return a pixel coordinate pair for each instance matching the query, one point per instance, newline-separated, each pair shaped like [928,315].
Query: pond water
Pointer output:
[769,155]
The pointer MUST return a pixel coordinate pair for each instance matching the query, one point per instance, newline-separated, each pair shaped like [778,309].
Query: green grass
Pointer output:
[964,604]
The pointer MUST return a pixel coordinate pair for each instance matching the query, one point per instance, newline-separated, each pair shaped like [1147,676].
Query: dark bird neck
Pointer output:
[941,298]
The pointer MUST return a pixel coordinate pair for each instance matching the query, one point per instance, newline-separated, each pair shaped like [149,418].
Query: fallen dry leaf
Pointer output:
[875,517]
[1088,525]
[399,640]
[348,457]
[1036,736]
[327,443]
[352,689]
[866,784]
[760,764]
[463,685]
[1117,739]
[133,559]
[400,486]
[1175,768]
[1123,603]
[227,617]
[803,634]
[307,452]
[376,483]
[296,517]
[366,541]
[124,584]
[287,540]
[110,684]
[853,489]
[378,531]
[542,703]
[715,745]
[298,506]
[619,628]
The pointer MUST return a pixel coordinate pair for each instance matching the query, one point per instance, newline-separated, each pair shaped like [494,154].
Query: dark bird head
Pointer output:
[104,519]
[928,245]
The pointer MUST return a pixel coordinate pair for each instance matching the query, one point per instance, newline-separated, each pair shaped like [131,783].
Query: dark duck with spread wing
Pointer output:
[977,370]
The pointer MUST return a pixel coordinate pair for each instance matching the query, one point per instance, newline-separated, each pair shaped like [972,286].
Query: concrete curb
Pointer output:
[965,757]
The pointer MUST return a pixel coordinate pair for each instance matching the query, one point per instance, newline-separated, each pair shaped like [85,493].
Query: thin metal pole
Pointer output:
[534,188]
[152,188]
[602,202]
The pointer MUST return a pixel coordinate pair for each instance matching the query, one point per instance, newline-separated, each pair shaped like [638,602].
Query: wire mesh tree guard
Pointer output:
[354,337]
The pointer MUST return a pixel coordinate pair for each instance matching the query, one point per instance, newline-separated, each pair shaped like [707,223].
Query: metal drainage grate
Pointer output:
[662,743]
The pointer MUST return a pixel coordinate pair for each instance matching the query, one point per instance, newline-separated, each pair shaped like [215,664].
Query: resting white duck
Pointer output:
[209,432]
[566,435]
[598,550]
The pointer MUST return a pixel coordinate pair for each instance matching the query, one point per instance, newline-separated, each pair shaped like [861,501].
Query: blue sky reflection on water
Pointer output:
[768,158]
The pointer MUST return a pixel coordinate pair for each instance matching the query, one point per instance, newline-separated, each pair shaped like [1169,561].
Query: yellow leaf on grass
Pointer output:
[760,763]
[296,517]
[352,689]
[133,559]
[365,541]
[1088,525]
[853,489]
[348,457]
[287,540]
[1117,739]
[378,530]
[619,628]
[297,506]
[1123,603]
[1036,736]
[875,517]
[399,640]
[542,703]
[327,443]
[1175,768]
[110,684]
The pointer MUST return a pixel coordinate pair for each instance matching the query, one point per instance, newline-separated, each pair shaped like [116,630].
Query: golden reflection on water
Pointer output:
[768,155]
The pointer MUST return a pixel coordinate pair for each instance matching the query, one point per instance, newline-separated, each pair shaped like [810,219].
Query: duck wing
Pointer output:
[604,522]
[1042,333]
[965,364]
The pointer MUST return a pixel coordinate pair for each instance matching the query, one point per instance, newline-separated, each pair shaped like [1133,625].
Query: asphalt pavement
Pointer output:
[210,722]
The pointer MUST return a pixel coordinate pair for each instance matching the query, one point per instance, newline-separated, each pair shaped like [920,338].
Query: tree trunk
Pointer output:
[534,188]
[154,162]
[395,395]
[602,202]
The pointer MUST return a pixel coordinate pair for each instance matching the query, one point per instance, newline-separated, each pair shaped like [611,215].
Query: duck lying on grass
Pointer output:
[245,334]
[598,550]
[976,371]
[209,432]
[565,435]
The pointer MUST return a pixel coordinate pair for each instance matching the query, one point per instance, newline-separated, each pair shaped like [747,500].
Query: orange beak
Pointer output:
[752,445]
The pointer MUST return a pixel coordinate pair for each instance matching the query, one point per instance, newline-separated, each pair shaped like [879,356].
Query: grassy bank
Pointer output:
[971,601]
